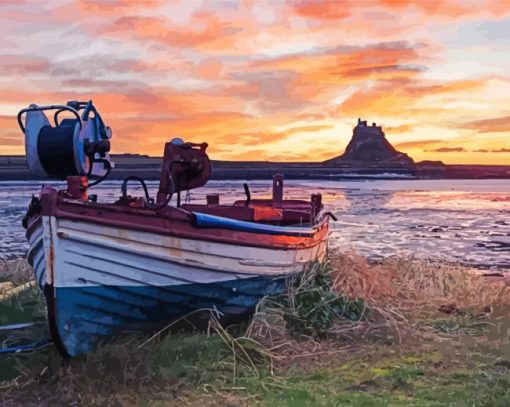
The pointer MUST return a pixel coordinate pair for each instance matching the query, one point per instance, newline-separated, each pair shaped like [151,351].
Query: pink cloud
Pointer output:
[22,64]
[236,73]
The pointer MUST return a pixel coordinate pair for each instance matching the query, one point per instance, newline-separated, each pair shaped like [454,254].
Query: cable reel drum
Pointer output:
[73,146]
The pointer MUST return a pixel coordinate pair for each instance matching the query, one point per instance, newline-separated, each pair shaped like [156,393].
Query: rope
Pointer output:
[14,327]
[101,179]
[26,348]
[148,199]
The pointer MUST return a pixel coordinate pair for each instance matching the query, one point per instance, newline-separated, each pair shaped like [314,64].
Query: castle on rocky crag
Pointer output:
[370,148]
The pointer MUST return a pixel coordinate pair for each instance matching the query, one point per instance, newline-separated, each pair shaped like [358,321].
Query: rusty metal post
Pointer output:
[277,188]
[213,199]
[77,187]
[316,203]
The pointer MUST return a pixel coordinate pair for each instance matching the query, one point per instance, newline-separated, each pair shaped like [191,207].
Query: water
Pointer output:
[462,221]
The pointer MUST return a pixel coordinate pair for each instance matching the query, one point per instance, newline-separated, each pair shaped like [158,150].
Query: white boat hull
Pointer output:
[105,279]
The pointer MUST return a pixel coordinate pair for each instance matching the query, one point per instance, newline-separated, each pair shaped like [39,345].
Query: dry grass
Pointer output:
[16,271]
[8,289]
[411,284]
[405,300]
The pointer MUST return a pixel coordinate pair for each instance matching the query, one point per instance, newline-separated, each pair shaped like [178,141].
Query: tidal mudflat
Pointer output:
[460,221]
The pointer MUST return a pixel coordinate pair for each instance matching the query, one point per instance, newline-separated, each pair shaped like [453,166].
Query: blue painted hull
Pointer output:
[83,317]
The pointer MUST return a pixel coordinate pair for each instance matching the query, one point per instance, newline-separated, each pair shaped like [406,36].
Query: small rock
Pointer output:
[450,309]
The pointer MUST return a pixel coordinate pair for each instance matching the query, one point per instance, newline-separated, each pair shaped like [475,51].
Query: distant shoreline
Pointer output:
[13,168]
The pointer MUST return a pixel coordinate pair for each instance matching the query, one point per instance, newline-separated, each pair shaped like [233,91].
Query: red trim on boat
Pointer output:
[170,221]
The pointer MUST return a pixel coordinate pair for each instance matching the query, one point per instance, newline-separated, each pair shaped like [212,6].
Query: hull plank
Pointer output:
[88,315]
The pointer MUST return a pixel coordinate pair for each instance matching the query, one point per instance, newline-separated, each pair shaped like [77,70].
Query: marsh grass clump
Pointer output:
[23,305]
[310,307]
[321,313]
[348,301]
[412,284]
[422,299]
[15,272]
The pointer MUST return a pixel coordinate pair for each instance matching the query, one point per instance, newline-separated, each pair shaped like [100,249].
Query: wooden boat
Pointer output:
[136,264]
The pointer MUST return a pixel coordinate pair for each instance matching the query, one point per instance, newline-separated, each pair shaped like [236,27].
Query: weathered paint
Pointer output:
[49,248]
[75,239]
[177,222]
[107,280]
[36,257]
[87,316]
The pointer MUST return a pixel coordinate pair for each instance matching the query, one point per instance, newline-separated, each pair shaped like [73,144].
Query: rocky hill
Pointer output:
[370,148]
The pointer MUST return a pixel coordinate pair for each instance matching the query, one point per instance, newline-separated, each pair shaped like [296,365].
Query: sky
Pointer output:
[267,80]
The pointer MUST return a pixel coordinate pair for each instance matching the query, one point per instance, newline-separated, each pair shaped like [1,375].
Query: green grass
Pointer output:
[436,379]
[26,306]
[200,368]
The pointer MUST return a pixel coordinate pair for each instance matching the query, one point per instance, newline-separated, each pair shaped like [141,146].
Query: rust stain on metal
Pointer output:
[267,213]
[63,235]
[51,260]
[51,256]
[123,234]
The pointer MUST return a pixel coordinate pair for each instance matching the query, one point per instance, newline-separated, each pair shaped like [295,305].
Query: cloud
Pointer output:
[249,138]
[254,78]
[272,89]
[501,150]
[206,31]
[404,128]
[397,68]
[322,10]
[307,129]
[497,124]
[114,6]
[448,150]
[12,138]
[22,64]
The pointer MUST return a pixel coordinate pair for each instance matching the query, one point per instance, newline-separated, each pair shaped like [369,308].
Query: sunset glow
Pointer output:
[268,80]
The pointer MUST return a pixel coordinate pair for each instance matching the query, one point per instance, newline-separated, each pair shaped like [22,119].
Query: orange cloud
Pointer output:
[334,10]
[448,150]
[114,6]
[255,78]
[206,31]
[497,124]
[322,9]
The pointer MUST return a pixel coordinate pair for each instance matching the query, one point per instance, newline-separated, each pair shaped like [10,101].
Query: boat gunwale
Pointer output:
[170,223]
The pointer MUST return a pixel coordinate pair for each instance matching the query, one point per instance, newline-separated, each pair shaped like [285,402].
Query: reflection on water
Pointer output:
[461,221]
[469,228]
[357,199]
